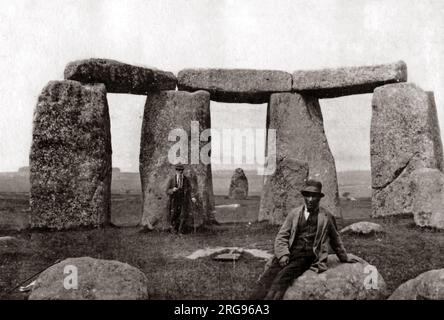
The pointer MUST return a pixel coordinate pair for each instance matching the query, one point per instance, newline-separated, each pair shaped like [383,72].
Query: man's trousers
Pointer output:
[278,279]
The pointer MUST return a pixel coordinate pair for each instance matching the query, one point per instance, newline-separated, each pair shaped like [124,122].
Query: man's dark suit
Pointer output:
[306,242]
[179,202]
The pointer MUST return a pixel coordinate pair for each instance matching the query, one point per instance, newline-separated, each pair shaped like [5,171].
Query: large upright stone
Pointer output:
[120,77]
[330,83]
[404,137]
[281,191]
[164,112]
[300,135]
[70,157]
[235,85]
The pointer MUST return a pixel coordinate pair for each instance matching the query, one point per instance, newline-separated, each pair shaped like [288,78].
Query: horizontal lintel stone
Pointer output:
[235,85]
[331,83]
[120,77]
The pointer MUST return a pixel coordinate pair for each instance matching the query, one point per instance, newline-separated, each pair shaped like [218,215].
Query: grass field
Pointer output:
[400,254]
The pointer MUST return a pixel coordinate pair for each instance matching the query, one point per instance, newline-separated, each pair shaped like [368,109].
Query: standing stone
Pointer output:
[300,135]
[404,137]
[164,112]
[281,191]
[235,85]
[238,185]
[70,157]
[120,77]
[330,83]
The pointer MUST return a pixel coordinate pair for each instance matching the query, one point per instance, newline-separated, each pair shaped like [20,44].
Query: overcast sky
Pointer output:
[38,38]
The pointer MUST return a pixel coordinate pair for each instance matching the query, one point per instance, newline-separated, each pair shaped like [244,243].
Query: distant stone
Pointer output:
[342,281]
[281,191]
[428,197]
[238,185]
[300,135]
[427,286]
[97,280]
[235,85]
[363,228]
[24,170]
[120,77]
[164,112]
[227,257]
[330,83]
[70,157]
[8,240]
[404,137]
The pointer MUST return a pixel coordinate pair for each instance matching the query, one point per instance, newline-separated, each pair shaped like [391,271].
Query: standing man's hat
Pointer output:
[179,166]
[312,187]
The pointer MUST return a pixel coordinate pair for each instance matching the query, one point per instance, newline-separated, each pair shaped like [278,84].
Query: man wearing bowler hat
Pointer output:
[301,244]
[180,194]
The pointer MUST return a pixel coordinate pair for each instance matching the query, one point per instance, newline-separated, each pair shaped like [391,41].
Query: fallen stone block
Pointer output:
[8,241]
[235,85]
[331,83]
[363,228]
[70,157]
[231,256]
[120,77]
[96,280]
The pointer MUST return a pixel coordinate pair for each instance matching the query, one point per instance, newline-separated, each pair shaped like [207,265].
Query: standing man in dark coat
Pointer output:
[301,244]
[180,197]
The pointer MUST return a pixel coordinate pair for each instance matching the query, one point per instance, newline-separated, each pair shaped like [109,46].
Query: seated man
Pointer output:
[301,244]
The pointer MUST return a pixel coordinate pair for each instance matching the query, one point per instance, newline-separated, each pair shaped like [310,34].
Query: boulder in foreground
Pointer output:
[427,286]
[97,280]
[342,281]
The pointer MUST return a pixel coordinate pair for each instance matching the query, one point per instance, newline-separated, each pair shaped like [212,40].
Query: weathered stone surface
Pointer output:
[281,191]
[238,185]
[330,83]
[363,227]
[235,85]
[70,157]
[300,135]
[404,137]
[8,240]
[120,77]
[164,112]
[97,280]
[428,197]
[427,286]
[227,257]
[342,281]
